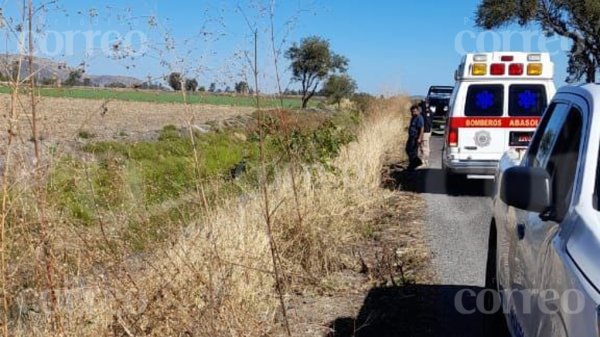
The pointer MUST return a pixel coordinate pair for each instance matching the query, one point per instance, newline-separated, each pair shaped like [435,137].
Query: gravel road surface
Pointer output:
[457,227]
[457,219]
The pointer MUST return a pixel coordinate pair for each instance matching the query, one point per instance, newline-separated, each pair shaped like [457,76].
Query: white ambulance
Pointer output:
[496,105]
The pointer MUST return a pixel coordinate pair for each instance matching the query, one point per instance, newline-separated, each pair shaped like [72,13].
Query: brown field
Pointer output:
[64,118]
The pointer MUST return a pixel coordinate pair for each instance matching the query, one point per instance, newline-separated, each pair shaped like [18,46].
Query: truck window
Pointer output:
[597,192]
[562,164]
[545,137]
[485,100]
[526,100]
[440,92]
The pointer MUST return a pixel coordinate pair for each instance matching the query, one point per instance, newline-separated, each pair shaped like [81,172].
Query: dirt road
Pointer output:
[456,229]
[456,226]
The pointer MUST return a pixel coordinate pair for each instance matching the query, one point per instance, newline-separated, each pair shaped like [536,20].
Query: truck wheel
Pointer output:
[450,177]
[494,323]
[490,268]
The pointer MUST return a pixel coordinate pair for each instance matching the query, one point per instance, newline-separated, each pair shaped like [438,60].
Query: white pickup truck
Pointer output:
[544,248]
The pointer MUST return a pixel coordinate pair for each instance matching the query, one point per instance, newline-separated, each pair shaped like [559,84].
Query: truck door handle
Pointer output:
[471,148]
[520,231]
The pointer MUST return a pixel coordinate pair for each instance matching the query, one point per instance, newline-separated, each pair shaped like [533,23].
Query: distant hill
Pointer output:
[417,98]
[50,69]
[103,80]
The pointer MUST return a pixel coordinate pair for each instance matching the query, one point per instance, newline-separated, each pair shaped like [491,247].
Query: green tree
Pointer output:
[212,87]
[311,62]
[14,72]
[191,84]
[577,20]
[74,78]
[242,87]
[175,81]
[49,81]
[338,87]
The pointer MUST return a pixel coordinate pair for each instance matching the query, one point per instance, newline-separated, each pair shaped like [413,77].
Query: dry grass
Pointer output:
[215,278]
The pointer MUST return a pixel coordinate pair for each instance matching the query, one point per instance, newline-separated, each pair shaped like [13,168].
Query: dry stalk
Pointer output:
[12,118]
[268,213]
[39,177]
[293,158]
[200,190]
[5,183]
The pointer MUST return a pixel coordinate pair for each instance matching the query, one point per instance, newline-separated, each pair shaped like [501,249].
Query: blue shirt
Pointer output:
[416,124]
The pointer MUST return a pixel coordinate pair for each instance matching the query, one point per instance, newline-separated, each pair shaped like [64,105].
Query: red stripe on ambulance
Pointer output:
[494,122]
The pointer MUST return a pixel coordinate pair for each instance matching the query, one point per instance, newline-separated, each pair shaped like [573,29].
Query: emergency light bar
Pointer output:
[535,69]
[506,64]
[498,69]
[515,69]
[480,58]
[479,69]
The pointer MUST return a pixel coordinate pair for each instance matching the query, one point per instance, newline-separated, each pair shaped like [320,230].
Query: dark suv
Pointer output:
[438,98]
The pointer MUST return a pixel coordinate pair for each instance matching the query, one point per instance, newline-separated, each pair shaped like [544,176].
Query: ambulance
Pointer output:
[496,105]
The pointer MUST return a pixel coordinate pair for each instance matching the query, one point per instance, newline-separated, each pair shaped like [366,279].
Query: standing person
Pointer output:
[424,149]
[416,129]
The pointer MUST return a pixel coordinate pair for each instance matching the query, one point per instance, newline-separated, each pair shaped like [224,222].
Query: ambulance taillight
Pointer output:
[452,133]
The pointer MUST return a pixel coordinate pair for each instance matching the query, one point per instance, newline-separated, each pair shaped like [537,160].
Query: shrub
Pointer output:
[363,101]
[84,134]
[118,85]
[49,81]
[175,81]
[338,87]
[74,78]
[191,84]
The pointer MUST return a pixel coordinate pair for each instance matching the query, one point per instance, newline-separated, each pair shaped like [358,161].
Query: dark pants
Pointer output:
[412,151]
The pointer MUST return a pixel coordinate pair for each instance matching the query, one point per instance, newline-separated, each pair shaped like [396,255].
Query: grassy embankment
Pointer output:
[154,238]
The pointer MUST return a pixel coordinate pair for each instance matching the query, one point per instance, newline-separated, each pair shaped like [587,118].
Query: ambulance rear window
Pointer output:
[526,100]
[485,100]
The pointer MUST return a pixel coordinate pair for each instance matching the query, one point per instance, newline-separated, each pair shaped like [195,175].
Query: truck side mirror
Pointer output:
[526,188]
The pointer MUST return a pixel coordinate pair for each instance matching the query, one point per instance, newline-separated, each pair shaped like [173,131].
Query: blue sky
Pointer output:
[393,46]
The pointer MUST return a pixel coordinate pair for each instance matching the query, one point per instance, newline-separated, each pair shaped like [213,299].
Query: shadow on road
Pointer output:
[434,181]
[416,311]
